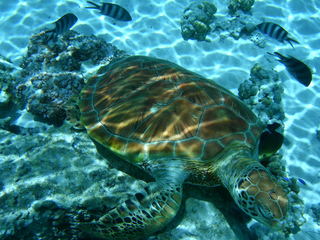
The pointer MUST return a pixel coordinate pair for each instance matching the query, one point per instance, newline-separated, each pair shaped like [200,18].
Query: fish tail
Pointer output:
[276,54]
[95,6]
[272,54]
[279,55]
[281,59]
[290,40]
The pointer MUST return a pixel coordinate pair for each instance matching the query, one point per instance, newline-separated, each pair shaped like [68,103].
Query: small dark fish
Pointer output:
[296,68]
[62,25]
[270,140]
[112,10]
[286,179]
[300,180]
[276,31]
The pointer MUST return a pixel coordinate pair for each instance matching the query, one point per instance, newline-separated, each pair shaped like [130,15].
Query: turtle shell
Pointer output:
[145,109]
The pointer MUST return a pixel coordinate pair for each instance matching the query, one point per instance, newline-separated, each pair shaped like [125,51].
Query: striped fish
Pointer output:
[275,31]
[112,10]
[62,25]
[296,68]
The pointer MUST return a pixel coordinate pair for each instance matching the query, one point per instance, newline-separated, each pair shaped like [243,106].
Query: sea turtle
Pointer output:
[180,128]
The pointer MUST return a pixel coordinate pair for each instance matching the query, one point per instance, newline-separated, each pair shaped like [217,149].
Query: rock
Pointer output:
[50,78]
[244,5]
[48,177]
[263,92]
[196,20]
[49,103]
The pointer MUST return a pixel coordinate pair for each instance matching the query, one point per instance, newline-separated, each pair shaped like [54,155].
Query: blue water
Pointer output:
[39,161]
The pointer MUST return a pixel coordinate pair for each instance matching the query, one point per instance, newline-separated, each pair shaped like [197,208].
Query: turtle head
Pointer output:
[258,194]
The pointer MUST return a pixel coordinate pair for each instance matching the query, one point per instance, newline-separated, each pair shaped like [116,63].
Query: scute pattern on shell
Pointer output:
[147,108]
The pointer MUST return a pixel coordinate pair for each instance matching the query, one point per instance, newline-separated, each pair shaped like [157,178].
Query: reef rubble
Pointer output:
[196,20]
[263,93]
[51,76]
[236,5]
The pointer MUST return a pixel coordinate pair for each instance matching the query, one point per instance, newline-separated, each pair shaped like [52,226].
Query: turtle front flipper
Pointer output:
[138,217]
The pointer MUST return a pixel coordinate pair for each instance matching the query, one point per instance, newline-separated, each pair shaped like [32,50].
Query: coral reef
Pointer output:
[49,104]
[68,53]
[51,76]
[244,5]
[196,20]
[263,92]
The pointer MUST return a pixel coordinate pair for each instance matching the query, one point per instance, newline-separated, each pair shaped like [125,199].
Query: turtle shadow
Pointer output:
[218,196]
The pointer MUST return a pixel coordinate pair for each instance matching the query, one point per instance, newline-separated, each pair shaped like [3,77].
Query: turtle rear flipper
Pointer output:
[139,216]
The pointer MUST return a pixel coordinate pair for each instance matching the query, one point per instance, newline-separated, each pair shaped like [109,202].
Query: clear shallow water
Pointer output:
[155,31]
